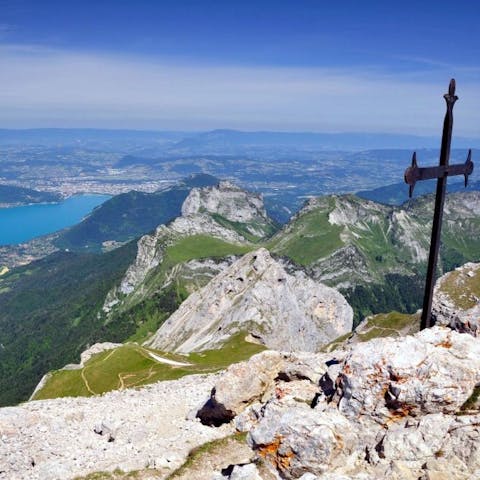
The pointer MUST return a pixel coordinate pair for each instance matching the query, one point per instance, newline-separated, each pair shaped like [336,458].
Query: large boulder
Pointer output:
[433,371]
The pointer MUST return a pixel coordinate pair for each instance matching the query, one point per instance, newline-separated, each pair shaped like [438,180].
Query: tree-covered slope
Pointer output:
[48,315]
[11,195]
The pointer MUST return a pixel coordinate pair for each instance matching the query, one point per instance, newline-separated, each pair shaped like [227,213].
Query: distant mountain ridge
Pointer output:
[397,193]
[222,137]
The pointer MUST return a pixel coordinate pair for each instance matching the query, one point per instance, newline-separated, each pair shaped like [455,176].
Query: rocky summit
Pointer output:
[388,408]
[227,200]
[397,408]
[257,296]
[129,430]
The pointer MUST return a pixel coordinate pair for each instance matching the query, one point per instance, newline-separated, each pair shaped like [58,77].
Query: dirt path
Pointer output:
[86,382]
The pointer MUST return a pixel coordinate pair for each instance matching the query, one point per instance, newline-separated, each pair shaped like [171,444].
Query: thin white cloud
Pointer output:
[45,87]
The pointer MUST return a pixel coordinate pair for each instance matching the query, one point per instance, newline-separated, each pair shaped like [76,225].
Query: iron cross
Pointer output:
[444,170]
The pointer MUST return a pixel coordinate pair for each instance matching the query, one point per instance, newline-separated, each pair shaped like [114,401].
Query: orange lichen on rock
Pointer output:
[447,343]
[271,452]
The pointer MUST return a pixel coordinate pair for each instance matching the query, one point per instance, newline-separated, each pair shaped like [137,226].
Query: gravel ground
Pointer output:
[129,430]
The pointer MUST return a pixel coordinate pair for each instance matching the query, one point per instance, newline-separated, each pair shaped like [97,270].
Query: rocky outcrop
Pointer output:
[256,295]
[456,301]
[345,267]
[228,200]
[151,248]
[148,257]
[388,408]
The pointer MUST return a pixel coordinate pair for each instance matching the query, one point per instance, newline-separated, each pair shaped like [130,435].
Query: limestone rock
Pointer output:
[242,384]
[386,408]
[433,371]
[298,439]
[256,295]
[245,472]
[456,301]
[227,200]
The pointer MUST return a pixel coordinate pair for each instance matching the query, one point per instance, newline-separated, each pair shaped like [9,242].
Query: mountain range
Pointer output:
[375,255]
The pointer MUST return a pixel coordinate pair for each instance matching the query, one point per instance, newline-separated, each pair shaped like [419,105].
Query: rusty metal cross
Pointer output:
[441,172]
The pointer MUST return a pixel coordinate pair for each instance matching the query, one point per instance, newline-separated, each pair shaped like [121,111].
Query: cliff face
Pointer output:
[227,200]
[256,295]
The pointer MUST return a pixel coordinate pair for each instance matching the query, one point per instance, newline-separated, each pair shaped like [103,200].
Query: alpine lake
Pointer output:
[20,224]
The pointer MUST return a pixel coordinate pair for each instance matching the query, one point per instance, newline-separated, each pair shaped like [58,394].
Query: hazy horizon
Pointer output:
[255,66]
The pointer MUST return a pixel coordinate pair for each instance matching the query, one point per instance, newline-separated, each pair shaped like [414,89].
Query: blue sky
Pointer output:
[284,65]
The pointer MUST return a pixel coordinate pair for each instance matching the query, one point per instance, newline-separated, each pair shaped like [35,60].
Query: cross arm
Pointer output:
[414,173]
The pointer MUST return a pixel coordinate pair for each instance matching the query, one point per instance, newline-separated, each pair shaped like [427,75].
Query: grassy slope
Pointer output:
[462,289]
[131,366]
[393,324]
[308,238]
[202,246]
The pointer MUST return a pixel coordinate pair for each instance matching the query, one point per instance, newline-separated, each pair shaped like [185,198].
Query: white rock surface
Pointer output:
[256,295]
[387,408]
[129,429]
[449,311]
[430,372]
[227,200]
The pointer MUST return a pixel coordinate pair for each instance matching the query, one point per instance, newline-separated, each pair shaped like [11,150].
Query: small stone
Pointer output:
[245,472]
